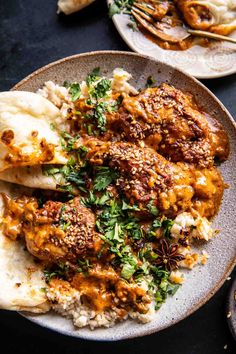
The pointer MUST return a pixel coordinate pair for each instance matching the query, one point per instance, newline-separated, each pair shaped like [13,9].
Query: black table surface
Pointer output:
[32,35]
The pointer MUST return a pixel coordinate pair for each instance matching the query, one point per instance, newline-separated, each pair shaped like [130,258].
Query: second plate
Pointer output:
[204,63]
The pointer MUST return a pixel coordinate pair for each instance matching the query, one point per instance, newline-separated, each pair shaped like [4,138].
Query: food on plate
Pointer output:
[158,116]
[112,228]
[218,16]
[71,6]
[26,137]
[21,278]
[166,22]
[33,177]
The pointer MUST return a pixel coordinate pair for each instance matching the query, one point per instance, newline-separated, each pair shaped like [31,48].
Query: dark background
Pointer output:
[32,35]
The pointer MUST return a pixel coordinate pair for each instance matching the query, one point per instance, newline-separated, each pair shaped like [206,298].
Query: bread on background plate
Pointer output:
[70,6]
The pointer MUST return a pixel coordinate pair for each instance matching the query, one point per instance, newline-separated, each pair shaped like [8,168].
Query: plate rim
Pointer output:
[130,45]
[232,263]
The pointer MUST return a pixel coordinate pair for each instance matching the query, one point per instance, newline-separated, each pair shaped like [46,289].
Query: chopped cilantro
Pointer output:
[50,170]
[167,225]
[84,265]
[133,229]
[75,91]
[114,9]
[60,270]
[147,253]
[89,129]
[157,224]
[92,200]
[77,179]
[104,177]
[152,208]
[99,115]
[120,6]
[100,89]
[67,188]
[82,151]
[93,77]
[126,206]
[64,223]
[68,141]
[128,270]
[172,288]
[165,287]
[153,228]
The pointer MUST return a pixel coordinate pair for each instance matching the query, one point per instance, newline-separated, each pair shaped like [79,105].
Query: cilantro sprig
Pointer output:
[75,91]
[120,6]
[59,270]
[104,177]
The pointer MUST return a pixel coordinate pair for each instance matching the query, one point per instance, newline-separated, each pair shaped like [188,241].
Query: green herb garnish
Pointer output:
[128,269]
[120,6]
[69,142]
[50,170]
[104,177]
[152,208]
[75,91]
[60,270]
[100,89]
[84,265]
[93,77]
[167,225]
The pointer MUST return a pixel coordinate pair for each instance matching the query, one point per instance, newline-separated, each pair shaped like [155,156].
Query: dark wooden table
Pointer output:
[32,35]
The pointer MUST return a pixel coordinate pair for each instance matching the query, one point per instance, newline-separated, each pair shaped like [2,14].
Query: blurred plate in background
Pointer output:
[204,63]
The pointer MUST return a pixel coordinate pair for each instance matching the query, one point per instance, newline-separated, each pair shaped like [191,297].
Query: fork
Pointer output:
[145,16]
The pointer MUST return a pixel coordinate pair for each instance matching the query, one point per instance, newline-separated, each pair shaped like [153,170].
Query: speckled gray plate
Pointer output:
[201,283]
[204,63]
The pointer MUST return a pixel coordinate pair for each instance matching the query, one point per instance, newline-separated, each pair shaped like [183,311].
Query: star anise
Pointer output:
[168,255]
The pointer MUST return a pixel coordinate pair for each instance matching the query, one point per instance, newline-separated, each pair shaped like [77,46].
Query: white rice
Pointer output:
[67,302]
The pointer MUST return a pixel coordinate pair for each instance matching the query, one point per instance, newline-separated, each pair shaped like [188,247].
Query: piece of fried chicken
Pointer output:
[146,176]
[169,121]
[56,232]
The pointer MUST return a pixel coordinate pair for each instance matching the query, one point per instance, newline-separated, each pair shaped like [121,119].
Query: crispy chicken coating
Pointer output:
[169,121]
[56,232]
[146,176]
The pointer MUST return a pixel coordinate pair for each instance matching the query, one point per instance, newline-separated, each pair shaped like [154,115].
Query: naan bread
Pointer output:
[70,6]
[26,134]
[32,176]
[218,16]
[21,279]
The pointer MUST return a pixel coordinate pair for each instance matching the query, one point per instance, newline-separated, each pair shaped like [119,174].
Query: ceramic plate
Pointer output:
[203,63]
[203,281]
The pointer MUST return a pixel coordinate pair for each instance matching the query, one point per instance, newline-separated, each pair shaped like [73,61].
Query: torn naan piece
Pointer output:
[22,284]
[218,16]
[26,134]
[33,177]
[70,6]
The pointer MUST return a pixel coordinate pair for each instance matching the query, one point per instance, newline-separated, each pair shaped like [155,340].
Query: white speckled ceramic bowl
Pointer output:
[201,283]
